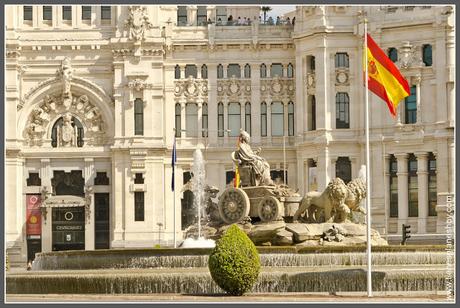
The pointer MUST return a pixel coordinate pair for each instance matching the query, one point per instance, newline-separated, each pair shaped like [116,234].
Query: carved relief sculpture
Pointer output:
[67,134]
[65,72]
[137,22]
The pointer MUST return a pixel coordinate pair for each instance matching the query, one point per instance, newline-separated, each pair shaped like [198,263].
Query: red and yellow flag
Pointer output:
[385,80]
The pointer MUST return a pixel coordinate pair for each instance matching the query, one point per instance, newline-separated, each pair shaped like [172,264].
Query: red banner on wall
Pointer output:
[34,218]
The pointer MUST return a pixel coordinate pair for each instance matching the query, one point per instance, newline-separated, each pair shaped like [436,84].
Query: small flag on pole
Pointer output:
[173,163]
[385,80]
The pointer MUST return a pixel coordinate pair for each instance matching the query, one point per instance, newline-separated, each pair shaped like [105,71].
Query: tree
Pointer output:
[265,9]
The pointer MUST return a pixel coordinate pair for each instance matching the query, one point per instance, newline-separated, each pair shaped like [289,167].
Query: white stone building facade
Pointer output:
[94,94]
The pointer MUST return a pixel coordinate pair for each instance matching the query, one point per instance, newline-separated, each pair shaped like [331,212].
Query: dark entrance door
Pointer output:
[101,215]
[68,228]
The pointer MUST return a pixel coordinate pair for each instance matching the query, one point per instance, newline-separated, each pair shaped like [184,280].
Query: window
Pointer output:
[263,71]
[410,106]
[34,179]
[221,12]
[191,119]
[178,120]
[341,59]
[311,63]
[220,71]
[343,169]
[229,176]
[234,119]
[291,119]
[276,69]
[47,12]
[181,15]
[139,206]
[106,12]
[190,70]
[342,119]
[204,120]
[263,119]
[86,12]
[138,117]
[220,119]
[312,113]
[278,176]
[290,71]
[393,54]
[27,12]
[67,12]
[427,55]
[101,178]
[204,71]
[139,178]
[247,117]
[177,72]
[393,187]
[413,186]
[277,122]
[233,70]
[201,16]
[247,71]
[432,186]
[58,126]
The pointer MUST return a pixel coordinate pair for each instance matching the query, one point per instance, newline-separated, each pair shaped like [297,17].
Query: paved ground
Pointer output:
[279,297]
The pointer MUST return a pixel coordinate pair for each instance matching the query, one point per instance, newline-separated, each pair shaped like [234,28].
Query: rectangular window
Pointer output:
[34,179]
[220,119]
[342,112]
[393,54]
[139,178]
[410,105]
[221,13]
[139,206]
[341,60]
[263,120]
[27,12]
[277,117]
[291,119]
[233,70]
[190,70]
[138,117]
[191,120]
[178,120]
[247,118]
[276,70]
[181,15]
[86,12]
[234,119]
[47,12]
[427,55]
[204,120]
[393,187]
[201,16]
[101,178]
[312,115]
[67,12]
[106,12]
[432,186]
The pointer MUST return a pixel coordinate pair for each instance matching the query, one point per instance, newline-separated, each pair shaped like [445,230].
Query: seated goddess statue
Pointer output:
[244,156]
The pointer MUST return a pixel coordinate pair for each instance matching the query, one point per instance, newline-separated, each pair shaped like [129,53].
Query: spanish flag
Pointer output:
[384,78]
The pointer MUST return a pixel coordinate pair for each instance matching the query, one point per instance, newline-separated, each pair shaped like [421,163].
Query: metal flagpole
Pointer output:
[368,178]
[174,189]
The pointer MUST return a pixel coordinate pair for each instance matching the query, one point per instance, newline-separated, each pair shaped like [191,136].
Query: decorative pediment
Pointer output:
[409,56]
[137,23]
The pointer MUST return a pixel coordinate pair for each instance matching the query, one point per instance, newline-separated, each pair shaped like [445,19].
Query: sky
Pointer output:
[278,10]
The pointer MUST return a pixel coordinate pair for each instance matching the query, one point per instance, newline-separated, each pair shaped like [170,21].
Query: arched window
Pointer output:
[276,69]
[177,72]
[220,119]
[191,119]
[393,54]
[75,123]
[190,70]
[263,119]
[432,186]
[247,117]
[138,117]
[204,71]
[263,71]
[393,186]
[342,112]
[343,169]
[291,119]
[178,120]
[341,59]
[427,55]
[233,70]
[413,186]
[290,71]
[220,71]
[204,120]
[410,106]
[234,119]
[181,15]
[247,71]
[277,119]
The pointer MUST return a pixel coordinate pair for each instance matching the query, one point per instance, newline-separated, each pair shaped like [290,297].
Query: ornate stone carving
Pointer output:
[234,88]
[153,52]
[88,196]
[65,72]
[12,53]
[139,84]
[121,52]
[191,88]
[409,56]
[137,22]
[278,88]
[67,134]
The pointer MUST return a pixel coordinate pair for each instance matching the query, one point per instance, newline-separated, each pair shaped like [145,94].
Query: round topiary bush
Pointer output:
[234,263]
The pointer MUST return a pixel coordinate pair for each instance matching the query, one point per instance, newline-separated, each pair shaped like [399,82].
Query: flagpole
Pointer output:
[174,189]
[368,178]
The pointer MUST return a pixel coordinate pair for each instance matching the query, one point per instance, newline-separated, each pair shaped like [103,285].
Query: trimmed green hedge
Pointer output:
[234,263]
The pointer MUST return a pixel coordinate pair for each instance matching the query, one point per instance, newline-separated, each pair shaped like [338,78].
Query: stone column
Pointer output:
[255,103]
[119,190]
[422,179]
[55,19]
[323,112]
[387,190]
[403,194]
[76,16]
[191,14]
[212,104]
[89,175]
[35,16]
[98,17]
[450,62]
[45,175]
[300,99]
[211,12]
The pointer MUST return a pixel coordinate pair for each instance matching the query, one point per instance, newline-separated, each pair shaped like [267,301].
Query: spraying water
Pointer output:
[198,184]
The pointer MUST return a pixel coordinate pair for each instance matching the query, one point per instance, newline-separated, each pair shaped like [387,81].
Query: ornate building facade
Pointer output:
[95,96]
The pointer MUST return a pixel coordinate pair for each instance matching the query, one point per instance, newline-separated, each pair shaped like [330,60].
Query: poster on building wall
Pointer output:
[312,180]
[34,226]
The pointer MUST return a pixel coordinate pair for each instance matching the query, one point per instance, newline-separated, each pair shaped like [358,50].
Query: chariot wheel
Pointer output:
[269,209]
[233,205]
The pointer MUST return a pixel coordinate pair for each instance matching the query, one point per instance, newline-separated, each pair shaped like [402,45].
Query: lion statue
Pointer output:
[336,201]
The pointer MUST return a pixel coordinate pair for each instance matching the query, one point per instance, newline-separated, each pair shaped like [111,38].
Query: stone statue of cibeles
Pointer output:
[254,169]
[66,133]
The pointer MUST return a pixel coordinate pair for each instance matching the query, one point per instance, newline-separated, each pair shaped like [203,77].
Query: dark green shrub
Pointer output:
[234,263]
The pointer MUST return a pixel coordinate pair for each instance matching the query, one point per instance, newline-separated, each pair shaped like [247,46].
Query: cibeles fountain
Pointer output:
[275,214]
[323,245]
